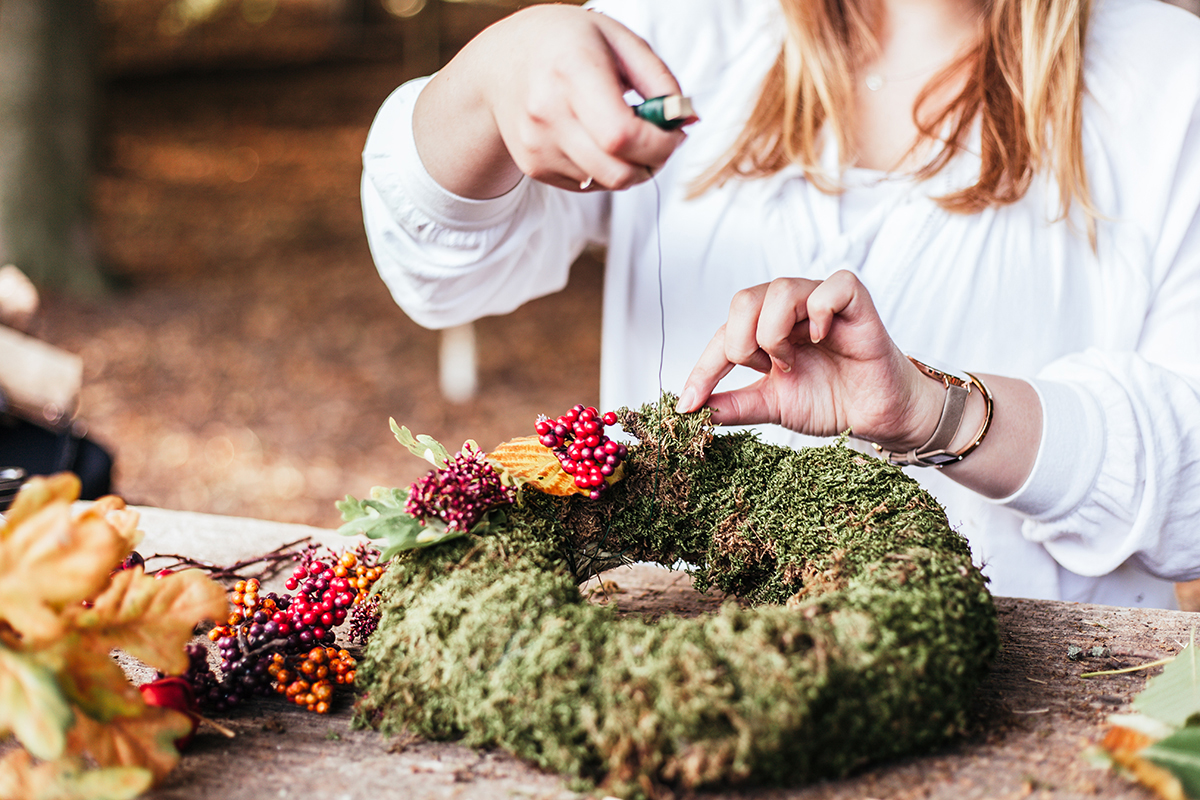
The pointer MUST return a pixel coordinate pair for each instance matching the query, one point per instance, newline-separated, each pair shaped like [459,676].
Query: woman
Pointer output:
[1011,187]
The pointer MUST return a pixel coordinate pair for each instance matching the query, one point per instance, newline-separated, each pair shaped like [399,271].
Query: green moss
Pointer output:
[869,627]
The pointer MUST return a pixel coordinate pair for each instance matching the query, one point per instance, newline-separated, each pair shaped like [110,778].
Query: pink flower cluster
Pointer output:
[459,493]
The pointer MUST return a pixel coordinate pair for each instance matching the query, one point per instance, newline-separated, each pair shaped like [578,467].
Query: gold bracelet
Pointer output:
[988,408]
[933,452]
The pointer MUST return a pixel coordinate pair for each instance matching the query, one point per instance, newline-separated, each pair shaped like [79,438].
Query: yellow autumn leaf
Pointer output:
[145,740]
[51,561]
[36,494]
[151,618]
[535,465]
[31,705]
[124,520]
[66,779]
[93,682]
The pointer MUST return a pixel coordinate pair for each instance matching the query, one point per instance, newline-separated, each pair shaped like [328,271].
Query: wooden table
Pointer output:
[1034,716]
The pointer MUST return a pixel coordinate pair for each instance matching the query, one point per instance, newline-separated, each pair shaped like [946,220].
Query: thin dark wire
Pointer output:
[662,328]
[662,311]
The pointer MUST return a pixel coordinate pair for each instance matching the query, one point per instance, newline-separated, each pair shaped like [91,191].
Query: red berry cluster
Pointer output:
[577,438]
[267,632]
[460,493]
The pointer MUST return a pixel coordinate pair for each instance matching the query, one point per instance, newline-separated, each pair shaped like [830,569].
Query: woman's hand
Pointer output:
[828,366]
[540,93]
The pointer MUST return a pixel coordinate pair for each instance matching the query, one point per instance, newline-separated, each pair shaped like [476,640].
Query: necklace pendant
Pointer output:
[874,82]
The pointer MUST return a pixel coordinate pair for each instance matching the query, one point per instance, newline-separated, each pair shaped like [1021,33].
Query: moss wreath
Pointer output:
[863,631]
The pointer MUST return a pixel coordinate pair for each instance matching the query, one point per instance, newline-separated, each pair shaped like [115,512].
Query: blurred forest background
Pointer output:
[243,356]
[246,357]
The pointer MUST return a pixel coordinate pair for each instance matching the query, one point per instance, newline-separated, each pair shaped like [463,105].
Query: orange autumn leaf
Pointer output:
[21,778]
[36,494]
[535,465]
[145,740]
[1124,741]
[95,684]
[152,618]
[124,520]
[1124,746]
[51,561]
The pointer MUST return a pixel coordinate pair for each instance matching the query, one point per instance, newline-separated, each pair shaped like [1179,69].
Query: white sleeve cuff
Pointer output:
[1069,456]
[394,168]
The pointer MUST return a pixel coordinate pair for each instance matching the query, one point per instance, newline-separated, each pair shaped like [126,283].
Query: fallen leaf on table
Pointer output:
[1160,743]
[31,705]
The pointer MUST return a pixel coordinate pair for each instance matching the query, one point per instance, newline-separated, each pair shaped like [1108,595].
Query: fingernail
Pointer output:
[687,399]
[781,365]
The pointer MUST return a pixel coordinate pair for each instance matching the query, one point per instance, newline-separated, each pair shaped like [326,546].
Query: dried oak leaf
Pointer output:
[67,779]
[532,463]
[93,682]
[151,618]
[35,495]
[146,740]
[50,562]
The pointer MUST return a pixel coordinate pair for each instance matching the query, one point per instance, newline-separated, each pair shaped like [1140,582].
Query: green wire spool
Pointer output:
[667,112]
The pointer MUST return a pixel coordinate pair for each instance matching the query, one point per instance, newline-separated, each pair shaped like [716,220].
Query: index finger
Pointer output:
[712,366]
[602,109]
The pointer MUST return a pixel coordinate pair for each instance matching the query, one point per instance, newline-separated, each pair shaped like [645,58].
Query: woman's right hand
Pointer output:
[541,93]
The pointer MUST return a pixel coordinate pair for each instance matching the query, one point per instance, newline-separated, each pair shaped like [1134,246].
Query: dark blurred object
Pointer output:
[11,479]
[27,449]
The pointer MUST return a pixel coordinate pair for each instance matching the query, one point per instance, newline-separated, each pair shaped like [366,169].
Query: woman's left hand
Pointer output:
[828,366]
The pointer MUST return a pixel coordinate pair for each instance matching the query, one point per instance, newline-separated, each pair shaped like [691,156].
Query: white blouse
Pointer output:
[1110,338]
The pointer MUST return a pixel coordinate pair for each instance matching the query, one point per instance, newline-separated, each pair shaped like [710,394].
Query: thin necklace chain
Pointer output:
[876,80]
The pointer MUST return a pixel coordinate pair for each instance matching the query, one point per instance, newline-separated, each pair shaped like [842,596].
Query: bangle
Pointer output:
[933,452]
[988,408]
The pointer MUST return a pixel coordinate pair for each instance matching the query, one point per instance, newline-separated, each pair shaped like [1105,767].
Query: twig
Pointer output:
[218,727]
[1151,665]
[274,559]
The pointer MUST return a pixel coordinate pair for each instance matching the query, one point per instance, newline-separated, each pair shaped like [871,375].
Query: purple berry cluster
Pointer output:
[364,619]
[459,493]
[578,439]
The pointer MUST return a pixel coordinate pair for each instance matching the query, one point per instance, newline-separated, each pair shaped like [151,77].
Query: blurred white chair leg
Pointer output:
[458,374]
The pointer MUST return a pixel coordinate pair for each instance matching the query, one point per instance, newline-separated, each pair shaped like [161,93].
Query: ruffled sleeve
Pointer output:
[448,259]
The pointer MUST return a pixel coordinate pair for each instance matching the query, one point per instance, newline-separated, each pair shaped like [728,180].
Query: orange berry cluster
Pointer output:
[311,684]
[245,602]
[359,575]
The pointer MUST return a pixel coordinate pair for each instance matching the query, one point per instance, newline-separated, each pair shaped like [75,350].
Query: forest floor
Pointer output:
[250,357]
